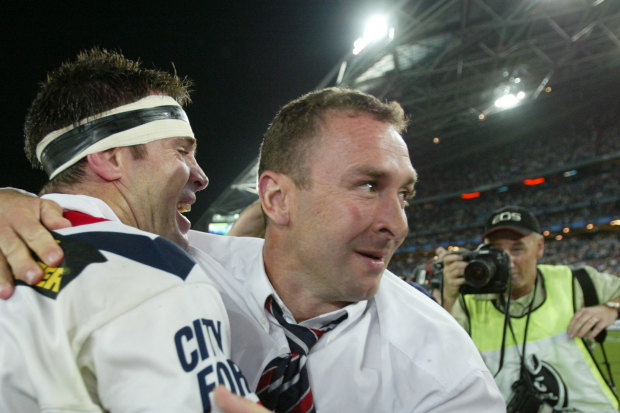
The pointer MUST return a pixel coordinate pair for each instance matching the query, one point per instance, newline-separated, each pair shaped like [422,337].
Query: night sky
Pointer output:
[247,58]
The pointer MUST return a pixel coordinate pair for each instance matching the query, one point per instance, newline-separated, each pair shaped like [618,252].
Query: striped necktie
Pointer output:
[284,386]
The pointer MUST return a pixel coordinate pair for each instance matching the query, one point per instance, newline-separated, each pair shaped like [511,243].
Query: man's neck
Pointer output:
[298,292]
[108,193]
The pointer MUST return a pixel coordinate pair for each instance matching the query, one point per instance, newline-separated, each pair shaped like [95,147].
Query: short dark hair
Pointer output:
[289,137]
[97,80]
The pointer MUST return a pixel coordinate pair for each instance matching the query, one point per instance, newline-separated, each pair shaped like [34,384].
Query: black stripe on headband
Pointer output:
[74,141]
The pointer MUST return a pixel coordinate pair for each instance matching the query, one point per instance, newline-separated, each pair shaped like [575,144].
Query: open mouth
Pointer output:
[374,257]
[184,207]
[183,223]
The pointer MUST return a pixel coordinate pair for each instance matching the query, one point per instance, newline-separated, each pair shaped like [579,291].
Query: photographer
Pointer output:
[537,353]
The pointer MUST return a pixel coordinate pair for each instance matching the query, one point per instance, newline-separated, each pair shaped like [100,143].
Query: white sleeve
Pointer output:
[167,354]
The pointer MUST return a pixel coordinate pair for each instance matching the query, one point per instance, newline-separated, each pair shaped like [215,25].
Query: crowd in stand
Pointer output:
[581,197]
[588,195]
[601,251]
[524,158]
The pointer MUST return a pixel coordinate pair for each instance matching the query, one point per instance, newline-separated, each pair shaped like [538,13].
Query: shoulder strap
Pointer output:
[589,294]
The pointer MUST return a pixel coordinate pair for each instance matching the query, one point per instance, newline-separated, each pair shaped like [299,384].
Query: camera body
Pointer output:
[429,275]
[487,271]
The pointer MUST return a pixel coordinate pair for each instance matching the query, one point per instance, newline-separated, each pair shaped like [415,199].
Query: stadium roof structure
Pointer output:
[449,60]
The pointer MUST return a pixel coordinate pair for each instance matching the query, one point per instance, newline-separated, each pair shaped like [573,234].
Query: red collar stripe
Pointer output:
[80,218]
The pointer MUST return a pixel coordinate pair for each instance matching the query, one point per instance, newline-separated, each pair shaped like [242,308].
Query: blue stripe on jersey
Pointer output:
[159,253]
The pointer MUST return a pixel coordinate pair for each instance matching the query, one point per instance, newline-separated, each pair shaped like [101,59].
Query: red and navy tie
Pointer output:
[284,386]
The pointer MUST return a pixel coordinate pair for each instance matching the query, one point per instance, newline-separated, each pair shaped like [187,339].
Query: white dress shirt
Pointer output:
[398,352]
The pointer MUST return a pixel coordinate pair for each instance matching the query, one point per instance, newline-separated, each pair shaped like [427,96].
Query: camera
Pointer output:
[429,275]
[487,271]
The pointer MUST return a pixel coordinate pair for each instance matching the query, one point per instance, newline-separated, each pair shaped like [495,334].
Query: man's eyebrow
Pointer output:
[193,142]
[376,173]
[369,171]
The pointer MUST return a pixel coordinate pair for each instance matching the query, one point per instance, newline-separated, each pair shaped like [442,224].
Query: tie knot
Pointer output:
[300,338]
[284,384]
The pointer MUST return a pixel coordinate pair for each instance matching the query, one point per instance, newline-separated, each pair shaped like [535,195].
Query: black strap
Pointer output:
[589,295]
[590,298]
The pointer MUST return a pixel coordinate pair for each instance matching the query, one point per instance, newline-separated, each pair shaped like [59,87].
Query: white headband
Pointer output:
[152,118]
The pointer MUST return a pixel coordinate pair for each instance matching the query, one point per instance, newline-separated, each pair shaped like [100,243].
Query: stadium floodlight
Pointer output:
[376,29]
[509,100]
[511,92]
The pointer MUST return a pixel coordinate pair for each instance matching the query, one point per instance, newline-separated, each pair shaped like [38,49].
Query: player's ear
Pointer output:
[106,164]
[277,196]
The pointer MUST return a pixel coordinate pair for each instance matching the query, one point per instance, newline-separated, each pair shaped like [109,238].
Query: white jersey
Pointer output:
[398,352]
[127,323]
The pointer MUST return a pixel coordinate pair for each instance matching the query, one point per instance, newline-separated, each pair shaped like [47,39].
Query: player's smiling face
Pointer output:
[167,179]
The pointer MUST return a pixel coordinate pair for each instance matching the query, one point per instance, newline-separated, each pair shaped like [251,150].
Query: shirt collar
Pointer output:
[261,288]
[520,306]
[83,203]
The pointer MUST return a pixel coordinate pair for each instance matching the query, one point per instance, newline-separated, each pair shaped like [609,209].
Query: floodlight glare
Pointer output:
[376,29]
[507,101]
[359,44]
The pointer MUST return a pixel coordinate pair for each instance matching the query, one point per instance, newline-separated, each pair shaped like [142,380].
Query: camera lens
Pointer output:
[479,272]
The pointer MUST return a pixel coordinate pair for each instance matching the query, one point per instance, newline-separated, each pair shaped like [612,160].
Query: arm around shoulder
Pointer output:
[25,221]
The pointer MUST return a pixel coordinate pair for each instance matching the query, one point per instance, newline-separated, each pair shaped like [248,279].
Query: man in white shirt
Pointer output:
[335,176]
[127,322]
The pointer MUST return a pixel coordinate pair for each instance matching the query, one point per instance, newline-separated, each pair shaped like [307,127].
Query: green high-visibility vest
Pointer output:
[563,369]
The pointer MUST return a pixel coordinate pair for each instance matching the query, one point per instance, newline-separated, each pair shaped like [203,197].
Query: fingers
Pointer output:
[598,328]
[51,215]
[6,283]
[453,279]
[231,403]
[21,231]
[36,234]
[17,256]
[583,327]
[440,252]
[453,270]
[451,258]
[16,243]
[591,321]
